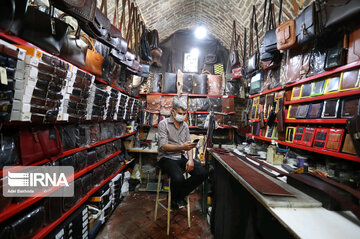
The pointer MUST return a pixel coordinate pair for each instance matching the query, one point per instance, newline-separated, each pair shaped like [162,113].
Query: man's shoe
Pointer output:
[182,203]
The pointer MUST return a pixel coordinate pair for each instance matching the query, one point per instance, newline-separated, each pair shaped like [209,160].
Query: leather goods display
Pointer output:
[200,120]
[187,83]
[36,143]
[354,46]
[292,111]
[290,133]
[94,60]
[298,136]
[253,62]
[285,35]
[200,84]
[306,90]
[315,110]
[335,57]
[82,10]
[302,111]
[350,107]
[256,83]
[153,103]
[28,223]
[350,80]
[348,146]
[44,30]
[353,126]
[234,54]
[214,84]
[8,150]
[320,137]
[297,65]
[237,72]
[318,87]
[339,12]
[334,139]
[330,109]
[202,104]
[308,136]
[305,25]
[228,104]
[332,85]
[156,83]
[166,105]
[215,104]
[168,84]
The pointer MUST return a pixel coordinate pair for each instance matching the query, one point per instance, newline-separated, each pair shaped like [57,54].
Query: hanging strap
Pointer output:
[251,40]
[122,21]
[116,14]
[280,11]
[295,7]
[103,7]
[264,14]
[244,56]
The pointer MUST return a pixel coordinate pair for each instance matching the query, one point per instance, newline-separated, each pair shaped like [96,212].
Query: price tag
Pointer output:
[3,76]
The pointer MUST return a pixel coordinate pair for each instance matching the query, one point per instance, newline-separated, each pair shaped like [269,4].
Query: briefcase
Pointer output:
[228,104]
[169,83]
[200,84]
[214,84]
[153,103]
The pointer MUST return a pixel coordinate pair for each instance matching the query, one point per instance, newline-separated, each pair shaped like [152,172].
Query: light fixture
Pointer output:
[200,32]
[195,51]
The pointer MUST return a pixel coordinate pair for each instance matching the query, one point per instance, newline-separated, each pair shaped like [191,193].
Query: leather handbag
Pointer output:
[145,51]
[232,87]
[354,46]
[302,111]
[335,57]
[337,12]
[91,157]
[348,146]
[44,30]
[350,107]
[94,60]
[234,54]
[256,83]
[253,62]
[99,28]
[156,83]
[53,209]
[285,35]
[39,142]
[187,83]
[11,15]
[315,110]
[353,126]
[82,10]
[214,84]
[166,105]
[215,104]
[350,80]
[168,83]
[298,65]
[153,103]
[200,84]
[202,104]
[330,108]
[228,104]
[156,52]
[305,25]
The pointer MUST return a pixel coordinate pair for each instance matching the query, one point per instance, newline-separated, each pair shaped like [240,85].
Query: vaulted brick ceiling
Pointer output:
[168,16]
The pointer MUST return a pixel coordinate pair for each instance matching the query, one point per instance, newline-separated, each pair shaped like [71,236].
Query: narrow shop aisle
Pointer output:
[134,218]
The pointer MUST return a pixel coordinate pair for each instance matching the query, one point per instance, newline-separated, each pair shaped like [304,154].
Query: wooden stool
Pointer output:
[168,208]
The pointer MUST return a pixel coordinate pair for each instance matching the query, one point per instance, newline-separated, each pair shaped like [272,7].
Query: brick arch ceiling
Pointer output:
[168,16]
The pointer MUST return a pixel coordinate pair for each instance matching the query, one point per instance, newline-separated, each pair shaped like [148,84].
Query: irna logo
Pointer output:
[37,179]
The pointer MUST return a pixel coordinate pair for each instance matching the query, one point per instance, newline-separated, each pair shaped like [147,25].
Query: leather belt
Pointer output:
[47,94]
[52,70]
[47,103]
[78,100]
[48,77]
[55,62]
[8,51]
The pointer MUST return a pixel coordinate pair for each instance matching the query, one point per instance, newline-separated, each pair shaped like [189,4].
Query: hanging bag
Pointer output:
[253,62]
[94,60]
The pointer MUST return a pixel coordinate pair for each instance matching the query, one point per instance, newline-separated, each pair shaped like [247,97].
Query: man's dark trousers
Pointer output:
[181,187]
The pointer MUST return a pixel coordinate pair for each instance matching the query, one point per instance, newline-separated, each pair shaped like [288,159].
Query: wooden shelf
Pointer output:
[46,230]
[15,208]
[311,78]
[323,97]
[311,149]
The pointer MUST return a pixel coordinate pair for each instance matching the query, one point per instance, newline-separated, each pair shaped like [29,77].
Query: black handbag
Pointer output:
[145,52]
[305,25]
[44,30]
[253,62]
[11,15]
[82,10]
[335,57]
[336,12]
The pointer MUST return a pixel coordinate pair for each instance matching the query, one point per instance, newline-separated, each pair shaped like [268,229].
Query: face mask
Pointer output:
[180,118]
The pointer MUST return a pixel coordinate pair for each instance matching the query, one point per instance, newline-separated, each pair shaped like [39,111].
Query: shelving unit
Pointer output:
[311,149]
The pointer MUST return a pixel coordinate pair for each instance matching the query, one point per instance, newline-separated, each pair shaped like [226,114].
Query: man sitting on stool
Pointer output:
[175,155]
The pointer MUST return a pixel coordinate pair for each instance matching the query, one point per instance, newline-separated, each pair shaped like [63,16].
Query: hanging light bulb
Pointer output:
[200,32]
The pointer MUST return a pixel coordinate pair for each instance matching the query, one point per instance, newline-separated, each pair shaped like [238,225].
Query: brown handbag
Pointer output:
[94,60]
[348,146]
[285,35]
[354,46]
[153,103]
[214,84]
[166,105]
[228,104]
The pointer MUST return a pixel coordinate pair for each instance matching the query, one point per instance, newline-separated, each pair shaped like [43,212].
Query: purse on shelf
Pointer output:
[214,84]
[43,29]
[200,84]
[336,55]
[353,126]
[166,105]
[202,104]
[93,60]
[187,83]
[215,104]
[228,104]
[153,103]
[350,80]
[348,146]
[156,83]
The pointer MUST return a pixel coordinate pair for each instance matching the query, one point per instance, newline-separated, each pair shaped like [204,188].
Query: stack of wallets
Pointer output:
[40,92]
[115,189]
[122,106]
[97,104]
[107,102]
[129,108]
[73,107]
[135,109]
[112,104]
[11,71]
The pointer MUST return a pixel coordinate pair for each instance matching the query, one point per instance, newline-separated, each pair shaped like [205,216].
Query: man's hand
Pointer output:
[188,146]
[189,165]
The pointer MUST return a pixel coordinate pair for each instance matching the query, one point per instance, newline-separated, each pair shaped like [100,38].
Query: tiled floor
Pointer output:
[134,218]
